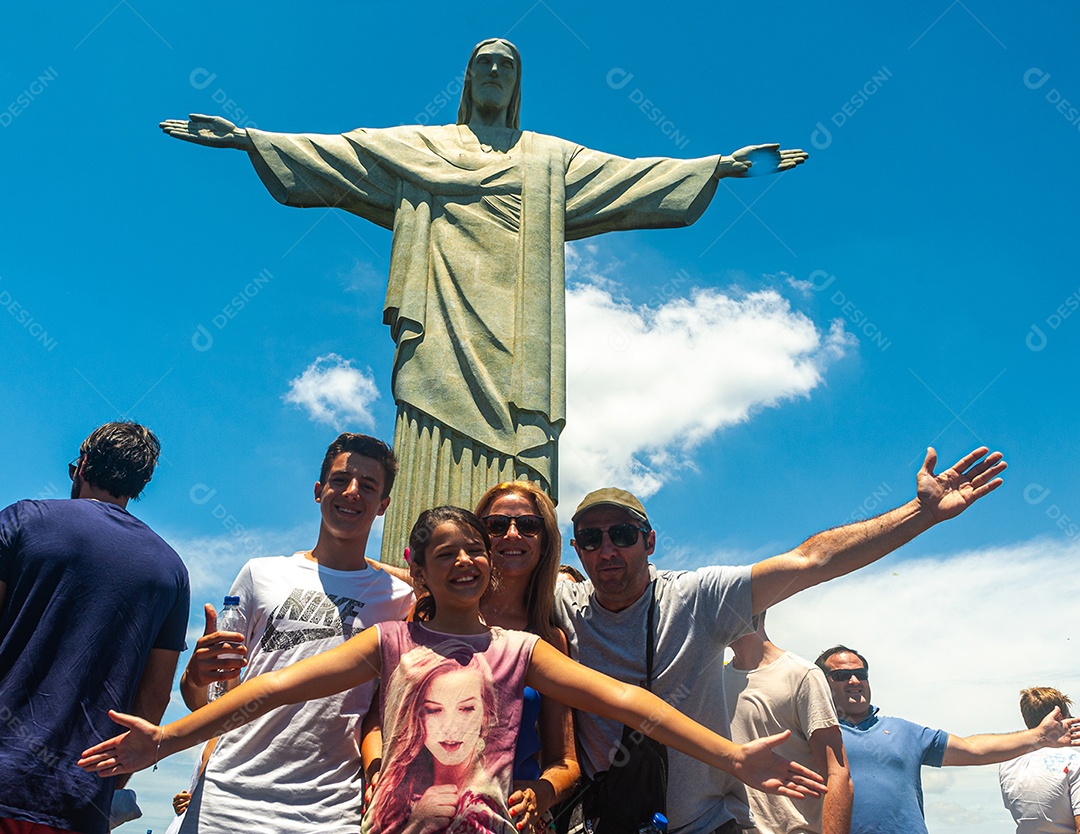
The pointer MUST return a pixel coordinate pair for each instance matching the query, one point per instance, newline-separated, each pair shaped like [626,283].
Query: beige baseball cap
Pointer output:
[614,497]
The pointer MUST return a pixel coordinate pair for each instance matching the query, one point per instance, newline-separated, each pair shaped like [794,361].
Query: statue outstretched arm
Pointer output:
[211,131]
[759,161]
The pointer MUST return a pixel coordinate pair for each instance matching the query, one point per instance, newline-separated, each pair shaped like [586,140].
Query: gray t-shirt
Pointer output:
[698,613]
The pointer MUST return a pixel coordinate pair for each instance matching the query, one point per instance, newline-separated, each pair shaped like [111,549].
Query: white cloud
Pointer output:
[646,385]
[332,391]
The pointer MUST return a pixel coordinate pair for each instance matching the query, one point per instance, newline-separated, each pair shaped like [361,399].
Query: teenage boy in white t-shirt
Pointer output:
[299,768]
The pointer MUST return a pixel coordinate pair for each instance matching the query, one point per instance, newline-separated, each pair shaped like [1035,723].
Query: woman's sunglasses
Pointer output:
[527,525]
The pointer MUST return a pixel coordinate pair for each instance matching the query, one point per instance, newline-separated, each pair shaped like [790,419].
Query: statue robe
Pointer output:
[475,299]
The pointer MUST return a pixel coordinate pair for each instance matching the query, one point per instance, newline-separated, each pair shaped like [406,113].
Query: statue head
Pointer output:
[513,109]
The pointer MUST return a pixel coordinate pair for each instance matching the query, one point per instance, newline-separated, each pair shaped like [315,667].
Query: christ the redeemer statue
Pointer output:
[480,211]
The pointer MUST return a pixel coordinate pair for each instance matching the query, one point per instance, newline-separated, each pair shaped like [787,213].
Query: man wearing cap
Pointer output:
[697,614]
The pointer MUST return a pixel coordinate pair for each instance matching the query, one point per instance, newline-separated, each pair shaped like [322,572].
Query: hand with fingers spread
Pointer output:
[759,767]
[214,659]
[949,493]
[211,131]
[128,752]
[759,160]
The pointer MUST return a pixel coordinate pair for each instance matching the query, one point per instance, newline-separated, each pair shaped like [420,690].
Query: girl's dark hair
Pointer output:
[420,540]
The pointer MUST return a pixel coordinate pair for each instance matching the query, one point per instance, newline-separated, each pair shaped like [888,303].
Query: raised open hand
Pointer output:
[949,493]
[211,131]
[759,767]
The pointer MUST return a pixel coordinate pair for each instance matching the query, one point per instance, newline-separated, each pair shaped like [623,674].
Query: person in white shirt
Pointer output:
[1042,789]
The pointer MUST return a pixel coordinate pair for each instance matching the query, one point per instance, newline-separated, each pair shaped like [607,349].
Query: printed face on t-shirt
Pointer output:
[453,716]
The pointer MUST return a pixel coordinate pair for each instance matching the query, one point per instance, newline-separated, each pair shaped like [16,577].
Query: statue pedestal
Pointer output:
[438,466]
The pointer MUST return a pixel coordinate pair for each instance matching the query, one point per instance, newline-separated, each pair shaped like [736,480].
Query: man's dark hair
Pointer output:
[839,648]
[368,447]
[119,458]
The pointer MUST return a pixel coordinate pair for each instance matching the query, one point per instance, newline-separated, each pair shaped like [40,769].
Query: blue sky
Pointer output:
[777,368]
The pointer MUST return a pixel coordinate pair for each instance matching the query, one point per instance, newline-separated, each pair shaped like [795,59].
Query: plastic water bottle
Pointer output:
[657,825]
[231,618]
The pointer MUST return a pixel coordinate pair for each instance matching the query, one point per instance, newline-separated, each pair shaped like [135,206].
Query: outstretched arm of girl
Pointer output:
[352,663]
[559,677]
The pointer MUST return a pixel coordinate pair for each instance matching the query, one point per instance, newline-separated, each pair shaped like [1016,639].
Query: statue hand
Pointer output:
[759,160]
[212,131]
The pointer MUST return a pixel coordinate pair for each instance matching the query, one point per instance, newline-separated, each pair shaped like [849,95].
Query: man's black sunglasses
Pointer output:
[843,675]
[527,525]
[621,535]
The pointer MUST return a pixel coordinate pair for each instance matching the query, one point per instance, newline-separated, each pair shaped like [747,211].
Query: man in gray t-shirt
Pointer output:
[700,612]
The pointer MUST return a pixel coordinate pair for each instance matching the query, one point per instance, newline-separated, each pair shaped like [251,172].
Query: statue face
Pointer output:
[493,76]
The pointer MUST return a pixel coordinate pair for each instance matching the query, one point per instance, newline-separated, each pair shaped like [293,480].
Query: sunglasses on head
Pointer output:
[621,535]
[527,525]
[843,675]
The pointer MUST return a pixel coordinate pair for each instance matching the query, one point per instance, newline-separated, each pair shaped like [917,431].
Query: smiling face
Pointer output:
[515,555]
[619,575]
[453,717]
[351,497]
[851,696]
[493,76]
[456,566]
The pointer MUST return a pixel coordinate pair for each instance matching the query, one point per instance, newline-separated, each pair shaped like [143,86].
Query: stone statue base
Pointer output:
[436,466]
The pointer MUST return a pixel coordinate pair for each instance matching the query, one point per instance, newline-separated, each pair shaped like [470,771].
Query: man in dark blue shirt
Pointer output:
[886,754]
[93,612]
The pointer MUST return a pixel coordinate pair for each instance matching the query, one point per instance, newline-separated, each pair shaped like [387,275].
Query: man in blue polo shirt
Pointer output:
[886,754]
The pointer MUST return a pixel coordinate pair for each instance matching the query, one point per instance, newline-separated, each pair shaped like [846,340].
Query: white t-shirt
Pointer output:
[789,694]
[298,768]
[1042,790]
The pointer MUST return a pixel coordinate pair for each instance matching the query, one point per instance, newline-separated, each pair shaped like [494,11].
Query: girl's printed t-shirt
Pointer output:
[451,710]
